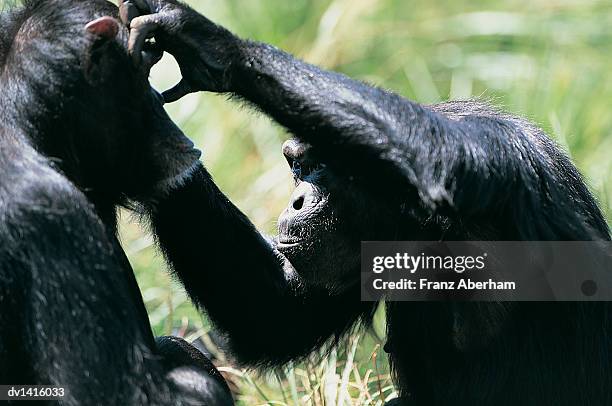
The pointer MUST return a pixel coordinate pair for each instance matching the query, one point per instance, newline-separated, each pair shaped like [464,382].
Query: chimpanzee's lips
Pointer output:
[286,241]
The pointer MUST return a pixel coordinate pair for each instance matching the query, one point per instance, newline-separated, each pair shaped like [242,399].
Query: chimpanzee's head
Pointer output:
[328,215]
[70,86]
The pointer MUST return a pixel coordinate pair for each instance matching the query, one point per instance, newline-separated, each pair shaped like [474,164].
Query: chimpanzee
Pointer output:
[82,132]
[370,165]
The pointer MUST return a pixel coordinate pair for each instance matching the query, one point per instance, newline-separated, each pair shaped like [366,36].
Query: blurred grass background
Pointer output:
[548,60]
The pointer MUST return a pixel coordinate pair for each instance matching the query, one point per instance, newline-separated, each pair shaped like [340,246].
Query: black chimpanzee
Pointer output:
[370,165]
[82,132]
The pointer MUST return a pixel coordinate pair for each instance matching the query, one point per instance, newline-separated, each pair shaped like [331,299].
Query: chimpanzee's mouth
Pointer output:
[286,242]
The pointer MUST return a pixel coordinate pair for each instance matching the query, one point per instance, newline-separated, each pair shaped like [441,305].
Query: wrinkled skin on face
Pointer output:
[318,232]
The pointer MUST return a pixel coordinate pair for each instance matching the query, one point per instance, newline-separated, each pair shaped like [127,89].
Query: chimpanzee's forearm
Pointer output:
[231,271]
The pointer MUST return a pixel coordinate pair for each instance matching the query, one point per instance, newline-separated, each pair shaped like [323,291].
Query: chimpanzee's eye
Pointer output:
[317,167]
[296,168]
[300,170]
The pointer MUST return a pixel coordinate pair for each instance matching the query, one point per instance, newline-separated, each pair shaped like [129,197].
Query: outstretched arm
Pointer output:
[374,135]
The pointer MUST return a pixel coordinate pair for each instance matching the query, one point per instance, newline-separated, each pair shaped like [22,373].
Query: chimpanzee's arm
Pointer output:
[365,131]
[246,286]
[462,159]
[379,136]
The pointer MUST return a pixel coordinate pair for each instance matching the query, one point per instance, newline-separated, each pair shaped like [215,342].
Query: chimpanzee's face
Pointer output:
[328,215]
[102,121]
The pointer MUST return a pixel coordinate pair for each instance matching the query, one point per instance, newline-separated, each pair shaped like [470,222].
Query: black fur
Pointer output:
[75,142]
[394,169]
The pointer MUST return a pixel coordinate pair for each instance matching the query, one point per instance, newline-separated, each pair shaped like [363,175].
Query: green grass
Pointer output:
[547,60]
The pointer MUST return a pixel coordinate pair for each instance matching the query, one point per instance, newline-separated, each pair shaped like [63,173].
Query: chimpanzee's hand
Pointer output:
[202,49]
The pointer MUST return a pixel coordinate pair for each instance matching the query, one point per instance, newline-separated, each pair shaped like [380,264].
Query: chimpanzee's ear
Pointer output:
[100,55]
[104,27]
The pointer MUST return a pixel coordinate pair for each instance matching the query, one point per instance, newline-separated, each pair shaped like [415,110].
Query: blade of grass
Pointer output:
[346,373]
[290,375]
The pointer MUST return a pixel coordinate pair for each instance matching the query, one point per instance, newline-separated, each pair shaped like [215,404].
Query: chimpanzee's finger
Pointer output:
[141,28]
[127,12]
[151,54]
[181,89]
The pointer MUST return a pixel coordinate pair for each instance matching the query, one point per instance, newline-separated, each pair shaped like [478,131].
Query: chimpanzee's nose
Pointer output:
[298,203]
[302,205]
[304,197]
